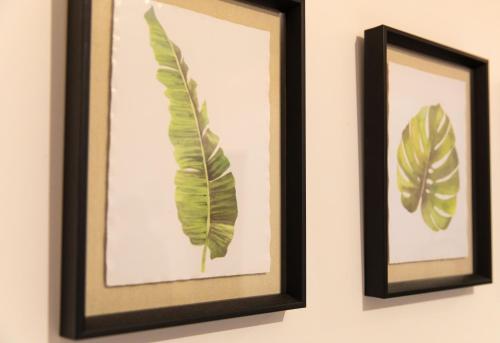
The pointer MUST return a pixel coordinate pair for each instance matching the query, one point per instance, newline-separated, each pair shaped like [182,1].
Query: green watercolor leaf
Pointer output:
[205,188]
[428,167]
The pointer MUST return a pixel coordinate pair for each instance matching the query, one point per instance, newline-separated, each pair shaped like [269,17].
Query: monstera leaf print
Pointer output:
[428,167]
[205,188]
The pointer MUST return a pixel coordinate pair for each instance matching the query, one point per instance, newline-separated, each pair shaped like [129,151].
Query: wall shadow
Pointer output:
[56,152]
[370,303]
[57,103]
[359,55]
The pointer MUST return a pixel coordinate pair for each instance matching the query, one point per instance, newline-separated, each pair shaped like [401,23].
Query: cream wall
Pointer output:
[31,112]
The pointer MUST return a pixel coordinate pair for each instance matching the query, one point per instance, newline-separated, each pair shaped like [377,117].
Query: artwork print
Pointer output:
[188,169]
[428,160]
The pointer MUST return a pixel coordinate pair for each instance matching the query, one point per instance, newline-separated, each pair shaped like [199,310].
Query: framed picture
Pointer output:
[184,189]
[427,223]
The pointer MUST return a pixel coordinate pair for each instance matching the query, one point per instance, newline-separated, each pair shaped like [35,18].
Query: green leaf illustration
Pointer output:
[428,167]
[205,188]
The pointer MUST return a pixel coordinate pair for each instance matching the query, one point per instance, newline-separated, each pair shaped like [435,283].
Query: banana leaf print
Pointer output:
[205,187]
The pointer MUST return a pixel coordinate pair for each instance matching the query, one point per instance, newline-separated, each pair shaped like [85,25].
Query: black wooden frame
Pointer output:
[74,323]
[376,172]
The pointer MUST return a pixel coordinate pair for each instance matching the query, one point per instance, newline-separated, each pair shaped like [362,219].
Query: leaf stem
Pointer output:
[203,258]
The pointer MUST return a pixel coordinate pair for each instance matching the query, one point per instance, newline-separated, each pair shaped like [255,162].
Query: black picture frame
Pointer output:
[376,254]
[74,323]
